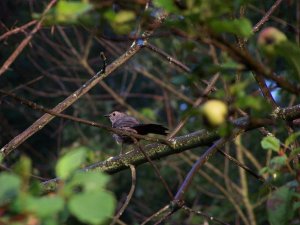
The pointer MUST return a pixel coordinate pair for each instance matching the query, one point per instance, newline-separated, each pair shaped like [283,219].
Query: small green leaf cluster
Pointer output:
[208,13]
[283,204]
[121,21]
[67,12]
[80,195]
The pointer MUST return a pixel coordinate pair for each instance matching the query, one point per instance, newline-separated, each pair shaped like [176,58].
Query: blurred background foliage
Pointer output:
[66,52]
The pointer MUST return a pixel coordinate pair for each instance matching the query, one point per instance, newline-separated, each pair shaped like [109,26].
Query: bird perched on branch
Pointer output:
[128,123]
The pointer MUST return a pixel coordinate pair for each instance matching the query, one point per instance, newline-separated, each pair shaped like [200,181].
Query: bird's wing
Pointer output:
[150,128]
[126,121]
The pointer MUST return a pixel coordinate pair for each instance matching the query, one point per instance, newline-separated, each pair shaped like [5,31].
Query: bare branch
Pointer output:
[266,17]
[129,196]
[25,42]
[46,118]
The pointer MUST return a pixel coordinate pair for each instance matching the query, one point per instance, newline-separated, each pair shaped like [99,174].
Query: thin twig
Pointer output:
[239,164]
[196,104]
[227,193]
[265,90]
[46,118]
[17,30]
[244,184]
[157,214]
[245,58]
[198,212]
[266,17]
[129,196]
[164,218]
[35,106]
[25,42]
[83,61]
[278,20]
[165,85]
[156,170]
[179,197]
[169,58]
[2,167]
[259,78]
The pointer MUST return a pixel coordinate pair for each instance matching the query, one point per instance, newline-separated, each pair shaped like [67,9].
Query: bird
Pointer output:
[128,123]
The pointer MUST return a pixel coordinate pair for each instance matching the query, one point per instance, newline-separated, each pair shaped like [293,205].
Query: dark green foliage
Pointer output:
[80,195]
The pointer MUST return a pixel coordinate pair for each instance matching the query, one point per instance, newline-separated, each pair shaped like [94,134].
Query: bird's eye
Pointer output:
[113,114]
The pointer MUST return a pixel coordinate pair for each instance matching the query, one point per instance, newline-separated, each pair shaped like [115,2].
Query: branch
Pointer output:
[267,16]
[17,30]
[259,79]
[129,196]
[200,213]
[169,58]
[163,84]
[180,144]
[196,104]
[245,58]
[41,108]
[25,42]
[46,118]
[156,170]
[179,198]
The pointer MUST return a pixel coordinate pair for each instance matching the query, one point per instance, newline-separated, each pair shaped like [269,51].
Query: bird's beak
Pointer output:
[107,115]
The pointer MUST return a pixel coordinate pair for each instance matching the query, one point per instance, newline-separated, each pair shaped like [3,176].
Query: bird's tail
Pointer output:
[150,128]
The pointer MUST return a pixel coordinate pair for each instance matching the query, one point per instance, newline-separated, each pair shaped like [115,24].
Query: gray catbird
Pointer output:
[122,121]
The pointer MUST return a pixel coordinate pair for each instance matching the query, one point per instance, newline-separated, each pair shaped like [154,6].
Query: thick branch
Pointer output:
[182,143]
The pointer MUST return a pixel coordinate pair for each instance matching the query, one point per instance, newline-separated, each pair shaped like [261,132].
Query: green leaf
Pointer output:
[90,181]
[279,206]
[292,138]
[168,5]
[44,206]
[70,162]
[67,12]
[92,207]
[279,160]
[249,101]
[265,189]
[9,187]
[71,10]
[241,27]
[291,53]
[239,88]
[149,113]
[225,129]
[270,142]
[23,167]
[295,151]
[296,206]
[295,194]
[124,16]
[121,17]
[120,22]
[264,170]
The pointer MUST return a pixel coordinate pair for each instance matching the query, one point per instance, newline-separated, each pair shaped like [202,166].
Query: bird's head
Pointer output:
[115,115]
